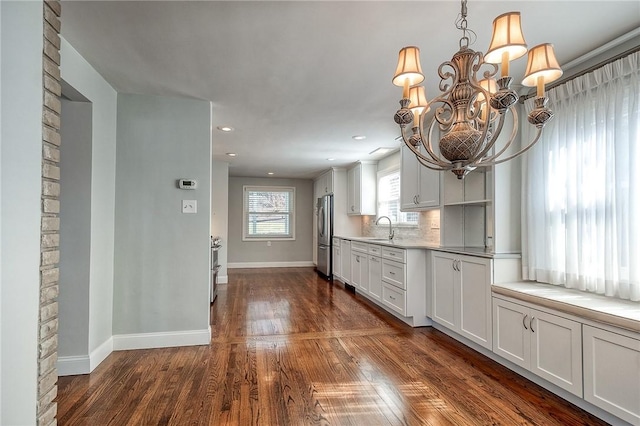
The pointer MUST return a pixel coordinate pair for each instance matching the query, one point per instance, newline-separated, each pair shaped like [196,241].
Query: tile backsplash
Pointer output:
[428,228]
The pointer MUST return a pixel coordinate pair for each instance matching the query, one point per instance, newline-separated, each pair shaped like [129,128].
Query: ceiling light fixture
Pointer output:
[331,159]
[359,137]
[231,154]
[225,129]
[270,173]
[470,112]
[380,150]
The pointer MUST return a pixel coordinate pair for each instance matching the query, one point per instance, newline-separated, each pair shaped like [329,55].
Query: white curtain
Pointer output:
[581,185]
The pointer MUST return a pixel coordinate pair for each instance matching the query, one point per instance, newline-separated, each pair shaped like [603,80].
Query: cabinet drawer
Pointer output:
[394,253]
[394,298]
[374,249]
[358,246]
[393,273]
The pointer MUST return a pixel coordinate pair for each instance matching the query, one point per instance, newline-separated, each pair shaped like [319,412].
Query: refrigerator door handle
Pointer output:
[321,221]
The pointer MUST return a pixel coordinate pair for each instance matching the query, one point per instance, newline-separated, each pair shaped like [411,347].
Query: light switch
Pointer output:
[189,206]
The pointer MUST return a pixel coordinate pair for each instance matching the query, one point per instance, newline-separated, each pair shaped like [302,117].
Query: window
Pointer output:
[581,220]
[389,199]
[269,213]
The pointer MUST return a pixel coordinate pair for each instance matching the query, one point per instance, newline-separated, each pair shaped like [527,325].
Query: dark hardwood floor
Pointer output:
[289,348]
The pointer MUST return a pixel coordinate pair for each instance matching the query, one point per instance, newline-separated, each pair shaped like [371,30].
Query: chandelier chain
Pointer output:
[468,36]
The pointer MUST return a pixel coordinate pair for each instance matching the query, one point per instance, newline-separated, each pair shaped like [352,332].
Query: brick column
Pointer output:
[50,226]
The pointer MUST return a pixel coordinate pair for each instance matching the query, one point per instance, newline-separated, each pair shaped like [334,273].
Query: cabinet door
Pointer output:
[444,301]
[428,187]
[337,262]
[351,191]
[612,373]
[375,277]
[364,272]
[408,179]
[556,350]
[356,270]
[345,254]
[475,299]
[511,339]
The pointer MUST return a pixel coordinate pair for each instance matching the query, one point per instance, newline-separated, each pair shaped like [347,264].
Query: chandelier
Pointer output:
[470,112]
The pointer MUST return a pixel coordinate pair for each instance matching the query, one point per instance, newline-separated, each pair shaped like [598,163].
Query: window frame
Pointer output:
[386,172]
[246,190]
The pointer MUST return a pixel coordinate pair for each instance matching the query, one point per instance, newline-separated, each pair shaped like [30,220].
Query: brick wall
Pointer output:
[50,226]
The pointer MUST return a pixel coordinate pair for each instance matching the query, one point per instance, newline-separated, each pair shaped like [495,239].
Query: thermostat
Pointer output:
[187,183]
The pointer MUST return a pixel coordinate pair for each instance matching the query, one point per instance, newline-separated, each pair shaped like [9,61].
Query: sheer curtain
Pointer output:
[581,185]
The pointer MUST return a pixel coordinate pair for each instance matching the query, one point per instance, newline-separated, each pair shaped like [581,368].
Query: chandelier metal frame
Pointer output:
[469,116]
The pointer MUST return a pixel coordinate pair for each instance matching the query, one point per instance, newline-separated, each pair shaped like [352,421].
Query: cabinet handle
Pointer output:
[392,298]
[352,208]
[531,324]
[391,273]
[524,322]
[358,259]
[415,199]
[418,199]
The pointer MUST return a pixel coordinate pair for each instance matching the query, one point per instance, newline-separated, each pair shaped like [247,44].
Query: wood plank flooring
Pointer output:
[289,348]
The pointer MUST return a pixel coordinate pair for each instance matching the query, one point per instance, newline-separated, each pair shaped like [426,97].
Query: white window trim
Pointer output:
[249,238]
[380,174]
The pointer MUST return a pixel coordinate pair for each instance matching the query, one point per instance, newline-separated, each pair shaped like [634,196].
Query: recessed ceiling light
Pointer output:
[225,128]
[231,154]
[331,159]
[270,173]
[359,137]
[380,151]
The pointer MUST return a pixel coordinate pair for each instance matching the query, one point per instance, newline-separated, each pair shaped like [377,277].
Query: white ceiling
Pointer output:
[298,79]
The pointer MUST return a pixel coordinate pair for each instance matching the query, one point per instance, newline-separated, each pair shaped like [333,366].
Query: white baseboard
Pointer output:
[73,365]
[238,265]
[123,342]
[223,280]
[84,364]
[100,353]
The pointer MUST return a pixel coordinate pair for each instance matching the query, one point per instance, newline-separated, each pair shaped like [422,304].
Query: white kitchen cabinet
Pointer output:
[361,189]
[324,184]
[612,372]
[419,186]
[337,259]
[549,346]
[461,287]
[375,273]
[345,260]
[360,266]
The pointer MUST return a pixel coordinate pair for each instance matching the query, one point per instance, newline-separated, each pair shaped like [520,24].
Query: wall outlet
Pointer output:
[435,224]
[268,243]
[189,206]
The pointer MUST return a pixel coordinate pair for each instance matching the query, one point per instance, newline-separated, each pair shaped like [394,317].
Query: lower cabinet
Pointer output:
[375,273]
[337,259]
[461,295]
[345,261]
[548,345]
[360,266]
[612,372]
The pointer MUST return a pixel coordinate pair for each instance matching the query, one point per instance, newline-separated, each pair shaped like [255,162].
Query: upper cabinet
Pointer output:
[361,189]
[419,186]
[324,184]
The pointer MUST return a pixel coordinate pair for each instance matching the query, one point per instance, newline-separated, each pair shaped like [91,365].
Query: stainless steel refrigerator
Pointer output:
[325,232]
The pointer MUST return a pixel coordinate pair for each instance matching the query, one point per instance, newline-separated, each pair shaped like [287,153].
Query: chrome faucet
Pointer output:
[391,231]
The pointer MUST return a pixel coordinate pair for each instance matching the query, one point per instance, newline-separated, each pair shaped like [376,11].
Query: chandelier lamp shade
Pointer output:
[471,109]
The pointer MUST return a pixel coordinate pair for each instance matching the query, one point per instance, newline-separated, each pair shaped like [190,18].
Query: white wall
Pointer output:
[161,288]
[220,213]
[75,232]
[257,253]
[77,73]
[21,138]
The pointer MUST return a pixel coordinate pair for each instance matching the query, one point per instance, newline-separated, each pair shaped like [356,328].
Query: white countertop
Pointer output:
[421,244]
